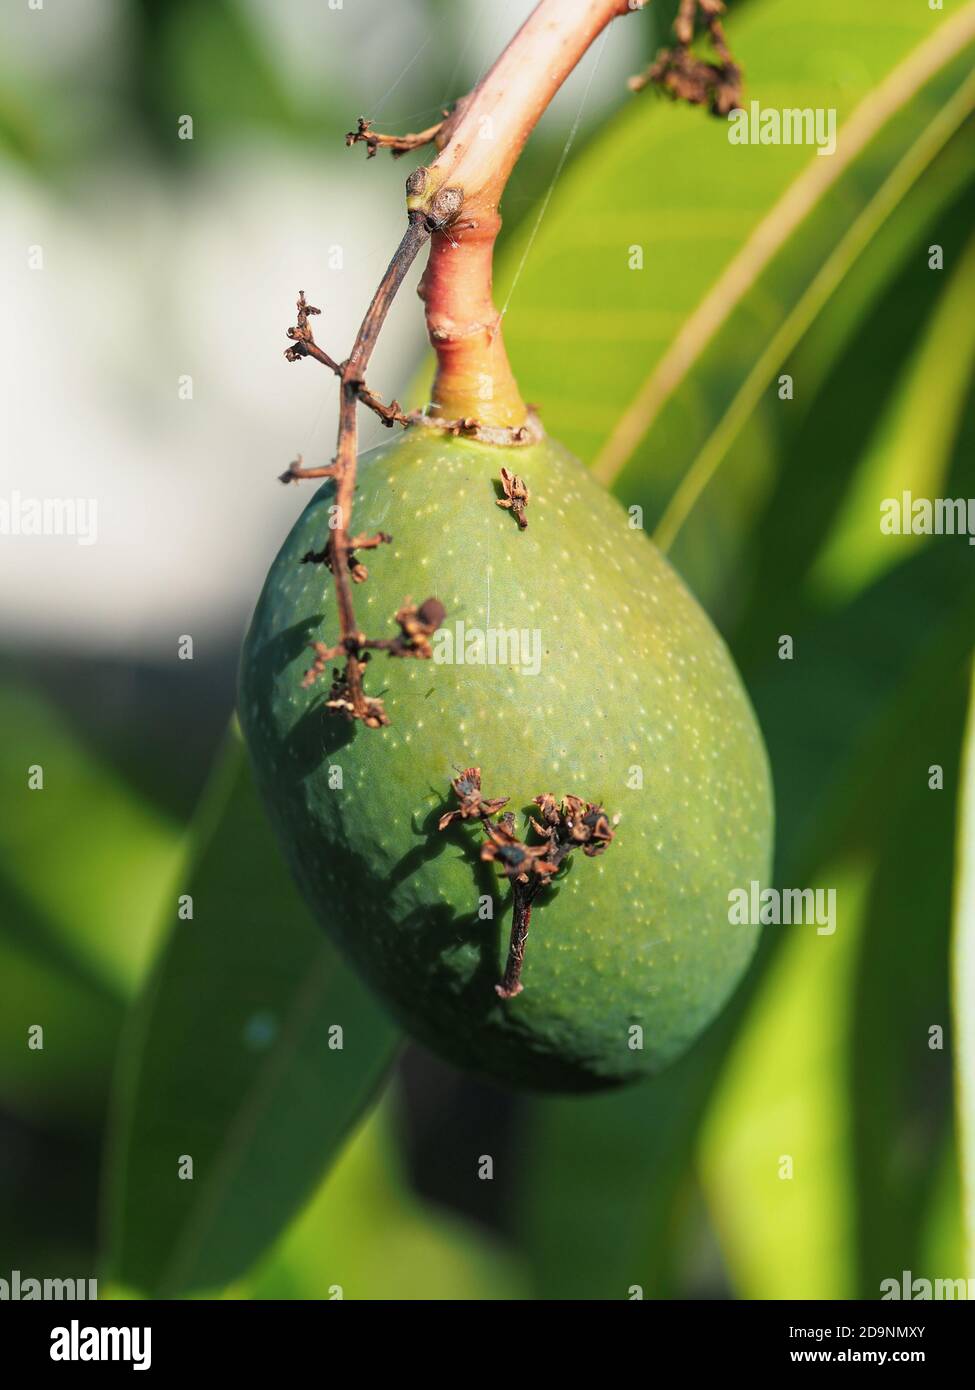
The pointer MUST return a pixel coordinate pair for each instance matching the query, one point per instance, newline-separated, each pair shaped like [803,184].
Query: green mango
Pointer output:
[618,691]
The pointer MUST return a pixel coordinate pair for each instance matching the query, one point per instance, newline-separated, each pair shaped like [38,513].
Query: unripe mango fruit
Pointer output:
[635,704]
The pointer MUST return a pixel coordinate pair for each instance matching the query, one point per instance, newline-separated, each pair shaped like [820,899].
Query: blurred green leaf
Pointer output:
[606,1182]
[800,279]
[779,1102]
[93,866]
[364,1234]
[964,980]
[834,1067]
[231,1060]
[66,1080]
[711,218]
[727,505]
[899,1077]
[751,557]
[18,132]
[208,61]
[911,448]
[944,1235]
[86,868]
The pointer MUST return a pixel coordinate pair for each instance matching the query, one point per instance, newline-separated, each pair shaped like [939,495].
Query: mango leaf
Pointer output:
[117,859]
[773,1144]
[710,218]
[944,1231]
[828,1128]
[86,867]
[364,1235]
[66,1079]
[251,1052]
[730,520]
[606,1182]
[912,447]
[963,974]
[899,1068]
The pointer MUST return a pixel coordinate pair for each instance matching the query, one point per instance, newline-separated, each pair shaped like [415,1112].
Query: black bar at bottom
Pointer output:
[302,1338]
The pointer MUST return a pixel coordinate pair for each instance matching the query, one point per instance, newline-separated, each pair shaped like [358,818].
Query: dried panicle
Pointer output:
[574,822]
[340,699]
[301,333]
[417,626]
[591,828]
[517,861]
[323,655]
[515,498]
[396,144]
[357,570]
[472,802]
[685,77]
[346,695]
[549,812]
[718,86]
[561,827]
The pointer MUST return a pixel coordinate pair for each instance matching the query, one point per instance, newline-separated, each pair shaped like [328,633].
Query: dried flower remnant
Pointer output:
[473,803]
[417,626]
[397,145]
[357,570]
[304,345]
[340,698]
[716,85]
[515,859]
[516,496]
[561,826]
[574,823]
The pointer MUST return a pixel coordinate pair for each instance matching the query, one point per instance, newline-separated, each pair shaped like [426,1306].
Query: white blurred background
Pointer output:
[166,258]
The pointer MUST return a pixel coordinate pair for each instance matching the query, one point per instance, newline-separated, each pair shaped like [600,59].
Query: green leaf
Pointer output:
[944,1236]
[727,509]
[963,974]
[605,1183]
[711,217]
[899,1072]
[231,1060]
[780,1103]
[912,447]
[91,865]
[835,1070]
[67,1079]
[208,61]
[364,1235]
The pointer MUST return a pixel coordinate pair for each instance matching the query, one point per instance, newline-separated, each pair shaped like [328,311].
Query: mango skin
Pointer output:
[632,675]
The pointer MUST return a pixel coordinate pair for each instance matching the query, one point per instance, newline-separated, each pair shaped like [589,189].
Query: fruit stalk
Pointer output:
[486,137]
[455,202]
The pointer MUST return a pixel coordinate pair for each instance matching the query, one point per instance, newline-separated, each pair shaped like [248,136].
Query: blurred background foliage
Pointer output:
[318,1168]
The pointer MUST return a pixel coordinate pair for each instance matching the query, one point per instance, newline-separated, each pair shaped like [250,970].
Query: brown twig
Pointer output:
[397,145]
[305,346]
[347,695]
